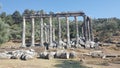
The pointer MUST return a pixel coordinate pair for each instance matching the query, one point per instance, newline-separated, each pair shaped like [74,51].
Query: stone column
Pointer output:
[53,34]
[45,30]
[85,28]
[50,32]
[88,29]
[82,29]
[68,32]
[32,32]
[59,28]
[23,33]
[41,31]
[92,36]
[77,33]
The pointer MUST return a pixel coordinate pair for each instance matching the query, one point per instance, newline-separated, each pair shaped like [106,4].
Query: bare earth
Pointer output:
[61,63]
[36,63]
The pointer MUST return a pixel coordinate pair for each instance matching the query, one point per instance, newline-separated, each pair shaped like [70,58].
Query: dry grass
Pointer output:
[40,63]
[36,63]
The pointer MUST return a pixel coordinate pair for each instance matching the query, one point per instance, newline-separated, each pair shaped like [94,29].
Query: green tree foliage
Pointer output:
[3,16]
[9,20]
[17,17]
[103,28]
[4,34]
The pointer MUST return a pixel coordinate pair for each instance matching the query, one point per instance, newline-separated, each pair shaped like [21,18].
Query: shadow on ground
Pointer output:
[69,64]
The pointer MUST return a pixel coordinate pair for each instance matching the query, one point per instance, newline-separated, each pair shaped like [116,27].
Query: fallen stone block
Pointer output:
[64,55]
[43,55]
[28,57]
[73,54]
[58,53]
[5,56]
[97,54]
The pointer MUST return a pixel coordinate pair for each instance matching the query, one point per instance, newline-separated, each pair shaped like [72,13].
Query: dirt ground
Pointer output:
[39,63]
[62,63]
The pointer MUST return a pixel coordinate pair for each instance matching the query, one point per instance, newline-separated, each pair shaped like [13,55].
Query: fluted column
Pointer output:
[23,33]
[85,28]
[91,32]
[59,34]
[32,33]
[68,32]
[45,30]
[82,29]
[50,32]
[77,33]
[88,29]
[53,34]
[41,31]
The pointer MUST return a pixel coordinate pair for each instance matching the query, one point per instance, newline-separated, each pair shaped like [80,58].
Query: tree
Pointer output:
[3,16]
[4,34]
[9,20]
[17,17]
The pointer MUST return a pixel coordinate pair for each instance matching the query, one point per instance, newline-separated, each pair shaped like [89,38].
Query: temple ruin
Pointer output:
[49,31]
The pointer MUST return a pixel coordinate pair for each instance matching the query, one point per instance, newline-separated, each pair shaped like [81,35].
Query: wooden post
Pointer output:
[41,31]
[50,32]
[32,33]
[59,34]
[68,32]
[77,33]
[23,33]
